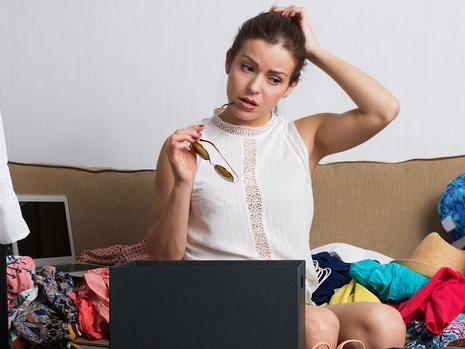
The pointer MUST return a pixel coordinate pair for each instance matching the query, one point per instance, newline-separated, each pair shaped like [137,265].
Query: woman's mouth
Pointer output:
[247,104]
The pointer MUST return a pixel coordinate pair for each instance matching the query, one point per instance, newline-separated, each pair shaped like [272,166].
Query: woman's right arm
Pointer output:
[167,235]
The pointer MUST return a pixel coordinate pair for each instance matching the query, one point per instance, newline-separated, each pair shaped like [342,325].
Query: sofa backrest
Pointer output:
[106,206]
[388,207]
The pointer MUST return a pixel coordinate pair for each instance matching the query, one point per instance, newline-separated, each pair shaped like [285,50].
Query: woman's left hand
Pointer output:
[299,15]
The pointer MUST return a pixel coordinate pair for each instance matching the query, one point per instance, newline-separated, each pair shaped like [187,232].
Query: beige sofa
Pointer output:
[387,207]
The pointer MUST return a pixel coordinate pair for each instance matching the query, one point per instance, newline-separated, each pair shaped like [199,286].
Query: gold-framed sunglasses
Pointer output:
[200,150]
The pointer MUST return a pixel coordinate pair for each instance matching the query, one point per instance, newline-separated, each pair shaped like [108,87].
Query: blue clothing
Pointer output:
[389,282]
[334,274]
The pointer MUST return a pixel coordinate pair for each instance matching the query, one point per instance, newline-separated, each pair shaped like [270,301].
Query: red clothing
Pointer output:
[438,302]
[93,303]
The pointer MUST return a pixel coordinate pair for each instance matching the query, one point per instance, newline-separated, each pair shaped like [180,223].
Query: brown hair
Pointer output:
[274,28]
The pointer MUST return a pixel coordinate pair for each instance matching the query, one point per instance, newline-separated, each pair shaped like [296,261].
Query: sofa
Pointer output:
[386,207]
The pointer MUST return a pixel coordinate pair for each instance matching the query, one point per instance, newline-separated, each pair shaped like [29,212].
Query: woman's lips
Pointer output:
[246,106]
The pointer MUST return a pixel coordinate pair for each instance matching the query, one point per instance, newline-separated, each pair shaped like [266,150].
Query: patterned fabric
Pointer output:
[19,278]
[19,271]
[451,208]
[25,298]
[113,255]
[418,337]
[56,287]
[48,315]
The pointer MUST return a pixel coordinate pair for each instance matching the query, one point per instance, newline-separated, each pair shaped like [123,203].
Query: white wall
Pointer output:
[103,82]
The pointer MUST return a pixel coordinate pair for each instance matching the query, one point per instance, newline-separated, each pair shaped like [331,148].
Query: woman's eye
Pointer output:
[274,80]
[246,67]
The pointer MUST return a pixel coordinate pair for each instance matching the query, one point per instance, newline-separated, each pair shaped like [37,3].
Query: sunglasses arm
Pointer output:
[226,161]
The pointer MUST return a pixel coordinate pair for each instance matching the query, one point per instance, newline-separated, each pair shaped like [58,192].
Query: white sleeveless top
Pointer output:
[268,212]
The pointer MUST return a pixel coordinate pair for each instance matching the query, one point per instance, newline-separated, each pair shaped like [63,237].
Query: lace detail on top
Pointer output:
[237,130]
[297,151]
[254,201]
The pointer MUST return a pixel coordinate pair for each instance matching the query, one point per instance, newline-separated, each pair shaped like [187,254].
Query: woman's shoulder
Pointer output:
[307,124]
[307,127]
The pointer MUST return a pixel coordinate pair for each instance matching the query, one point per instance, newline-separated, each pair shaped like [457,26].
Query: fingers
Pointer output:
[289,11]
[195,132]
[183,138]
[198,127]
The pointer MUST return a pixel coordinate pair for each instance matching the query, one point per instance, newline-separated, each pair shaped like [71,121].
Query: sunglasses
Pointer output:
[200,150]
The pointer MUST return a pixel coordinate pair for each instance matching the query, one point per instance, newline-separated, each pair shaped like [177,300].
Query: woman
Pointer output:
[267,212]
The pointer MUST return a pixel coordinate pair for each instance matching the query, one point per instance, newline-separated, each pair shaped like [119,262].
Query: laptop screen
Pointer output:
[50,239]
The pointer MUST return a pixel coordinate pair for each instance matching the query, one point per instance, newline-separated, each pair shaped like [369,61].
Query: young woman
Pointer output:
[266,213]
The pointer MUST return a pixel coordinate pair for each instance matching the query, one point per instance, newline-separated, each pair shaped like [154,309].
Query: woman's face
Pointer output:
[258,77]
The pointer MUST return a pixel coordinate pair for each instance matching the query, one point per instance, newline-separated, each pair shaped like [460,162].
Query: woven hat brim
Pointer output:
[420,267]
[432,254]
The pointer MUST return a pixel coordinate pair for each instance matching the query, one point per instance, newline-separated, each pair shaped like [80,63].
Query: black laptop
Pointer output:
[207,304]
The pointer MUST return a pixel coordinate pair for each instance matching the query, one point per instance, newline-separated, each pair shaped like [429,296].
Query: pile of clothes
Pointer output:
[427,289]
[46,307]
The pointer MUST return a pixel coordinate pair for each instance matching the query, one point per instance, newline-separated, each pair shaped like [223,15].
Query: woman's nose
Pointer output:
[254,85]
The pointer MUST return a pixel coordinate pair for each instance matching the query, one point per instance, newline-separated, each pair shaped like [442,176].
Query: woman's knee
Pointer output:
[385,324]
[321,320]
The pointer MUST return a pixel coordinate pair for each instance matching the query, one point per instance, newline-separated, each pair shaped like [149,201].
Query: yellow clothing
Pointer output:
[351,293]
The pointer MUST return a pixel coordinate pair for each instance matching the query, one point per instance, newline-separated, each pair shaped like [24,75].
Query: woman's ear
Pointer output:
[228,62]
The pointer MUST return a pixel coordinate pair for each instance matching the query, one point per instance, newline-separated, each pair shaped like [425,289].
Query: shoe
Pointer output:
[361,346]
[317,346]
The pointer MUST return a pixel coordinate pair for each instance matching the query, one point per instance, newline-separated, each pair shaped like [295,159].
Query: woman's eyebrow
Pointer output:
[277,72]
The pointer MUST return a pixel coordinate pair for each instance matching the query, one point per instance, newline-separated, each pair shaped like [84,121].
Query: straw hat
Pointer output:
[432,254]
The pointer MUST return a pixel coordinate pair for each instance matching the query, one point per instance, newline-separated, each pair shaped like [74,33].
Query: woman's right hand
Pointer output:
[182,158]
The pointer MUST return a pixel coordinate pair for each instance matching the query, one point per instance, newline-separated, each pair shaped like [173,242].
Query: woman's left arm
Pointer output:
[376,107]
